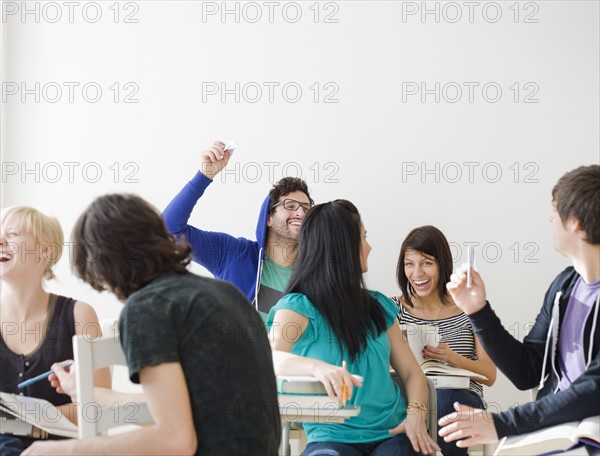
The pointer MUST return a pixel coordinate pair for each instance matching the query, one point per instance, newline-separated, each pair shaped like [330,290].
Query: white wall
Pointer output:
[372,146]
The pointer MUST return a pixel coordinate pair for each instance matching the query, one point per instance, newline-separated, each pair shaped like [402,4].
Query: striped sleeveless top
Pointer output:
[455,331]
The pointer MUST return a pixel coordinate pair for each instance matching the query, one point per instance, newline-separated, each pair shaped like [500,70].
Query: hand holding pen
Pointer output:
[43,376]
[344,387]
[470,263]
[468,299]
[61,377]
[63,380]
[349,382]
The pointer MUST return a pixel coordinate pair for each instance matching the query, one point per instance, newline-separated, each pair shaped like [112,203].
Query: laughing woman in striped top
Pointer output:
[424,268]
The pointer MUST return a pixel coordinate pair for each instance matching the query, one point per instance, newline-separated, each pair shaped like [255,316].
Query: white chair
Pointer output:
[432,418]
[91,354]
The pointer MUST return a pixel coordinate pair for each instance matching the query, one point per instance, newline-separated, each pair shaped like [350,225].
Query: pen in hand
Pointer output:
[470,261]
[37,378]
[344,387]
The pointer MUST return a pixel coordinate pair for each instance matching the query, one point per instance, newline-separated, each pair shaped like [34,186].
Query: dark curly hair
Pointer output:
[285,186]
[122,244]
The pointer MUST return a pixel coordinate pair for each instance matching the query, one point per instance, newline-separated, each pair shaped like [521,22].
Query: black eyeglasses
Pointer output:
[293,205]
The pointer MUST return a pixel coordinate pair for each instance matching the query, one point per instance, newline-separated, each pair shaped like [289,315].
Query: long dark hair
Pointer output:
[430,241]
[122,243]
[328,271]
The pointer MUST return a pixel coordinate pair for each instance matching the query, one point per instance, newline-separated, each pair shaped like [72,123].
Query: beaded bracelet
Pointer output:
[417,405]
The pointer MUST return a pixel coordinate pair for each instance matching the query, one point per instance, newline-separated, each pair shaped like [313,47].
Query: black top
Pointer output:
[56,346]
[209,328]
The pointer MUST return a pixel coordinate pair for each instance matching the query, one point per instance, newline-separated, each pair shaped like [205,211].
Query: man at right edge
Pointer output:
[561,354]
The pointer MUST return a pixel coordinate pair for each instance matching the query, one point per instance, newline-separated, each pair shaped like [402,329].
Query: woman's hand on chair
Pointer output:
[415,429]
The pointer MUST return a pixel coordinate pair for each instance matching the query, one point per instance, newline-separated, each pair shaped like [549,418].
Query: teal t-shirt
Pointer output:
[274,276]
[382,405]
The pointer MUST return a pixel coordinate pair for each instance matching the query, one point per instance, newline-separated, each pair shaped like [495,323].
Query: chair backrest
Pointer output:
[91,354]
[432,418]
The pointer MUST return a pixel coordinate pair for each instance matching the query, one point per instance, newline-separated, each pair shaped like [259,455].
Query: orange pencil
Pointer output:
[344,387]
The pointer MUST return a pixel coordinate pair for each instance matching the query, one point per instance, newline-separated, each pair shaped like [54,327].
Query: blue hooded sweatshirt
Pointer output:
[236,260]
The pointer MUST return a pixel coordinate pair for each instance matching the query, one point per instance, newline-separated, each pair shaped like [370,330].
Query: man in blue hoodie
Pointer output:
[561,353]
[261,268]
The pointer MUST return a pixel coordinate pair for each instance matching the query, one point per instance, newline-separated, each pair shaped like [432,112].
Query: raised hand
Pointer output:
[469,300]
[213,160]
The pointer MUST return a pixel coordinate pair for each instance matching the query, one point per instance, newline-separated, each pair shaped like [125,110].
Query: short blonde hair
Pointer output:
[45,229]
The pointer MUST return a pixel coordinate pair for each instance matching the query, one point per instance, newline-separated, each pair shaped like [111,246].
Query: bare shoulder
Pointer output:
[286,316]
[86,320]
[404,305]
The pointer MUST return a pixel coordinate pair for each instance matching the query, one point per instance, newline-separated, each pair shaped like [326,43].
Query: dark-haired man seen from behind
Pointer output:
[207,378]
[561,353]
[261,268]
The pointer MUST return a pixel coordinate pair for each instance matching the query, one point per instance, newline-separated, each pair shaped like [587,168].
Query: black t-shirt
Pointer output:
[221,343]
[267,298]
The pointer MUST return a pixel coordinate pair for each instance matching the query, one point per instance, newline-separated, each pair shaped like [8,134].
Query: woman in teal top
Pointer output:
[328,325]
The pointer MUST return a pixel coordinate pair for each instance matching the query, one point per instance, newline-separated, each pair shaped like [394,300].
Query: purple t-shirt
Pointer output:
[572,358]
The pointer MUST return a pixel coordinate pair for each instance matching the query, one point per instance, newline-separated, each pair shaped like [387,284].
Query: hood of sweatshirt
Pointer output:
[561,295]
[261,227]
